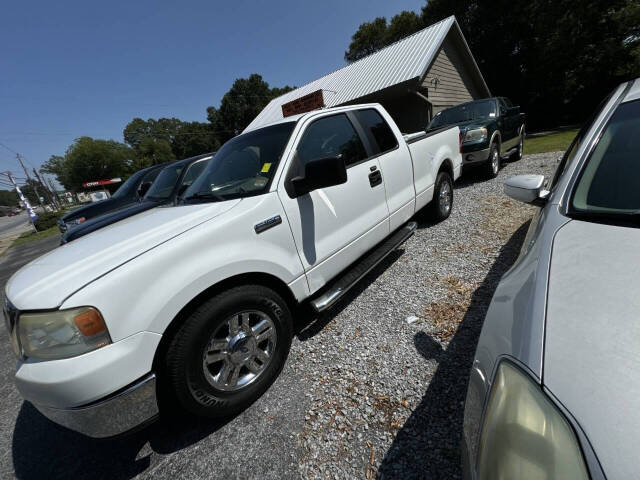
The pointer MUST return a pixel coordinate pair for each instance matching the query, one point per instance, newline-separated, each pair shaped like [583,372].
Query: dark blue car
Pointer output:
[167,188]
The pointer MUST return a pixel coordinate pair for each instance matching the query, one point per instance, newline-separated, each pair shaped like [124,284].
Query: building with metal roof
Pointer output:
[413,78]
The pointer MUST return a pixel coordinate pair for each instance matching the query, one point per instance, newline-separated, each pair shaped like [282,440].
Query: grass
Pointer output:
[554,142]
[32,236]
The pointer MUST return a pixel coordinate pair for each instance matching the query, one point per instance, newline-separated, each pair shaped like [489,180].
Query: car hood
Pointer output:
[47,281]
[102,221]
[592,354]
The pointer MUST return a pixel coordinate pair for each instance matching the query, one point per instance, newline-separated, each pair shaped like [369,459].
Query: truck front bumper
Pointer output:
[131,407]
[477,156]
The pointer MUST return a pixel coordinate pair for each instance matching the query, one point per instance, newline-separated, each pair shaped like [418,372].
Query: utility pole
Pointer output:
[26,172]
[53,191]
[46,188]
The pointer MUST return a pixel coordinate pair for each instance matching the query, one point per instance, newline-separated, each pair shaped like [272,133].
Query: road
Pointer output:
[9,224]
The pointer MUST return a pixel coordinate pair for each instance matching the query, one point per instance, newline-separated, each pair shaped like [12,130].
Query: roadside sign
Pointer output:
[97,183]
[312,101]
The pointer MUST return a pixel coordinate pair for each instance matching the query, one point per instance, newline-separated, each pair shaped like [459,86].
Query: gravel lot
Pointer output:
[374,388]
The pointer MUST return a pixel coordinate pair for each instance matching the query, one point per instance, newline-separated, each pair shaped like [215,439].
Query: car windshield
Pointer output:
[465,112]
[129,187]
[244,166]
[162,188]
[610,180]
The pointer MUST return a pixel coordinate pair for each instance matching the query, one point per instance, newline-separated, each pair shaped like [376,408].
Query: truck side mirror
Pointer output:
[320,173]
[527,189]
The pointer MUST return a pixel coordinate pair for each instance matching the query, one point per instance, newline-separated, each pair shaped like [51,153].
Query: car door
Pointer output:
[509,124]
[334,226]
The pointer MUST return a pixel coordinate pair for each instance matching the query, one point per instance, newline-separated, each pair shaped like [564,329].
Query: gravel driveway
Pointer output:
[373,388]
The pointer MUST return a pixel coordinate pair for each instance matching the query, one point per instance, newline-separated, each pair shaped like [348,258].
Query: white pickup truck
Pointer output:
[191,306]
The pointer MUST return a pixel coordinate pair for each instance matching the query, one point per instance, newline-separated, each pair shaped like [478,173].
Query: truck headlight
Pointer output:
[524,435]
[61,333]
[474,135]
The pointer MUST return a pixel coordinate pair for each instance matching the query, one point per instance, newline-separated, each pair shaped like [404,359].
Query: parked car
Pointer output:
[13,213]
[554,390]
[129,192]
[195,301]
[492,128]
[169,185]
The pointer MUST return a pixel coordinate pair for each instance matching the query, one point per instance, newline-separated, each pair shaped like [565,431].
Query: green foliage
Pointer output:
[240,105]
[8,198]
[372,36]
[89,159]
[47,220]
[554,142]
[32,236]
[555,58]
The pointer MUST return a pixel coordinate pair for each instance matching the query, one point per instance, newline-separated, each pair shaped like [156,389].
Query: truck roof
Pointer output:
[300,116]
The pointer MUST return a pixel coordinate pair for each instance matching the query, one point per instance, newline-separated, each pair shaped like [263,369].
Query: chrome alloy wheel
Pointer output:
[239,350]
[495,162]
[445,198]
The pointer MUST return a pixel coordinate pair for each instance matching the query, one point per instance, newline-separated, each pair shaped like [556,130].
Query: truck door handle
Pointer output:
[375,178]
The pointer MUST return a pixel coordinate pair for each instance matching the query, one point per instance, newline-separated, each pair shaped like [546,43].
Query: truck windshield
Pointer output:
[464,113]
[243,167]
[609,184]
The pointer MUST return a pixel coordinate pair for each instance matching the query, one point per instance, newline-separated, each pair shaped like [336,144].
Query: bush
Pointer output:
[47,220]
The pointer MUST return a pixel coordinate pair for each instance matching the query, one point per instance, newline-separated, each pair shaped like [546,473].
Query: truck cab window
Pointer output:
[329,137]
[376,126]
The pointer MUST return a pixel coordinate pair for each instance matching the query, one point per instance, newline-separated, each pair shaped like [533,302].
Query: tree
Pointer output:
[157,141]
[8,198]
[89,159]
[372,36]
[240,105]
[553,58]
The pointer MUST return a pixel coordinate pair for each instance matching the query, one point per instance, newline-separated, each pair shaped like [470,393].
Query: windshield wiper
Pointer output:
[630,217]
[206,196]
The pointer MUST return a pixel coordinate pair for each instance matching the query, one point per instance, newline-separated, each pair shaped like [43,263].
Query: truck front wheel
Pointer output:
[229,351]
[493,163]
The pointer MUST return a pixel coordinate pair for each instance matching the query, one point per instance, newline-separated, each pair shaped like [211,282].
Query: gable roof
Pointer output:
[403,60]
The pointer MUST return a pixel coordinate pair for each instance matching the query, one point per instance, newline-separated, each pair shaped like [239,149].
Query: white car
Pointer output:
[193,302]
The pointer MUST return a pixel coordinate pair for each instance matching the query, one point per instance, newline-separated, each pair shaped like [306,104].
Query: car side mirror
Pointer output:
[527,189]
[143,188]
[320,173]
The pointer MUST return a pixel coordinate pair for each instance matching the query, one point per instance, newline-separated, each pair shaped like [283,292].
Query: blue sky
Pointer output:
[74,68]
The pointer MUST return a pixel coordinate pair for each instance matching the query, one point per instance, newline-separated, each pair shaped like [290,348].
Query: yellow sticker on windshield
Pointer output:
[265,168]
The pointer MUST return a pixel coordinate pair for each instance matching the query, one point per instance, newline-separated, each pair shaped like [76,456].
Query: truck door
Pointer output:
[334,226]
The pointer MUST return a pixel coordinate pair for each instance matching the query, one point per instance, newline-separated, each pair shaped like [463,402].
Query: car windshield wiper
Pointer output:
[206,196]
[630,217]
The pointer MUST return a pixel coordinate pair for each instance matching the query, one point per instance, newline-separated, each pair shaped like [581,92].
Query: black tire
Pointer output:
[442,202]
[184,362]
[493,162]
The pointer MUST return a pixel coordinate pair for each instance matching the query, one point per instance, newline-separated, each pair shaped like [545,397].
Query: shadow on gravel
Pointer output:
[42,449]
[309,323]
[427,445]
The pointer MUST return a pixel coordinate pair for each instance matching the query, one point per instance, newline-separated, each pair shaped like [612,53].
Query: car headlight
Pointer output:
[474,135]
[61,333]
[524,435]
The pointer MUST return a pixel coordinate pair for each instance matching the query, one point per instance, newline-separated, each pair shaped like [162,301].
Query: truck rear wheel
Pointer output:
[229,351]
[442,202]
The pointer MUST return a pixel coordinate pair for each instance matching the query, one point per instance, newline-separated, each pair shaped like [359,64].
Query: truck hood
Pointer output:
[592,354]
[47,281]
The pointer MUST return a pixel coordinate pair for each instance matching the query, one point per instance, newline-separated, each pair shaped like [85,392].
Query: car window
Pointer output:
[128,188]
[372,121]
[610,179]
[329,137]
[194,171]
[164,184]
